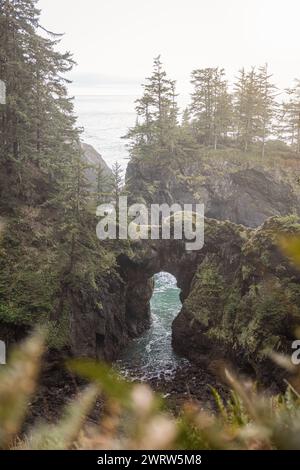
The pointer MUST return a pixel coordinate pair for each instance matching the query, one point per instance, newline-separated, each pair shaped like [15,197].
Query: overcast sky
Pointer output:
[114,41]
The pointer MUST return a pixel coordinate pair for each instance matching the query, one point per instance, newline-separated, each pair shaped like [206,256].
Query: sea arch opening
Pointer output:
[151,356]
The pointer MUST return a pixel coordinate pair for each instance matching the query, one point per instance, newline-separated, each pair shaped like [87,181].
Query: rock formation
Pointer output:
[239,190]
[241,296]
[95,160]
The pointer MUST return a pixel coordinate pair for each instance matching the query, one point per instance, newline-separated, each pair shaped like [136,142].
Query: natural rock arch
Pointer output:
[240,297]
[223,241]
[234,292]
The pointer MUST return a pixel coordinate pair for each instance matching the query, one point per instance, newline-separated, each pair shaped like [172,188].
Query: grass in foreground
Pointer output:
[136,418]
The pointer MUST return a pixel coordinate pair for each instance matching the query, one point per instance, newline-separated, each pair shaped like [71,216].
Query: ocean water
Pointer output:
[105,120]
[151,356]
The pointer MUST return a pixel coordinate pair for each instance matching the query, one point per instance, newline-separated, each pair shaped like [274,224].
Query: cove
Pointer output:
[151,356]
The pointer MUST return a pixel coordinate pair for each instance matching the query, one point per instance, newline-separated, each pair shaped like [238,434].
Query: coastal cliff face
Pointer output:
[232,186]
[242,305]
[93,310]
[241,297]
[83,306]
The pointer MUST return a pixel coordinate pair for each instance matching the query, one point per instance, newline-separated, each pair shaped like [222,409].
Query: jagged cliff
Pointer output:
[232,185]
[83,307]
[241,296]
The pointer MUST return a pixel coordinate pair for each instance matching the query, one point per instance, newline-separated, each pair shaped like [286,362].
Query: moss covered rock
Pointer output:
[244,313]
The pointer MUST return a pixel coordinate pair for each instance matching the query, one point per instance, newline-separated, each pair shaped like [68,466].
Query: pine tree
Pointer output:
[255,107]
[211,106]
[18,20]
[40,157]
[73,198]
[154,135]
[117,185]
[247,107]
[289,121]
[267,104]
[37,124]
[187,146]
[223,113]
[103,185]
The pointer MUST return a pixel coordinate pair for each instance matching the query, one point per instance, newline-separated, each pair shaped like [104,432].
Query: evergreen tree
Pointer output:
[247,107]
[289,121]
[37,124]
[211,106]
[255,107]
[186,144]
[267,105]
[73,198]
[103,185]
[154,135]
[117,185]
[40,156]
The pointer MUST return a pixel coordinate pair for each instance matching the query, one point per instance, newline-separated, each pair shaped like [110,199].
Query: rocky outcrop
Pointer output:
[105,320]
[95,161]
[241,297]
[84,308]
[238,189]
[242,307]
[248,197]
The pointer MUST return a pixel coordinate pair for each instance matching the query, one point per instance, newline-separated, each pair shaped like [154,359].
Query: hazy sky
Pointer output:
[115,40]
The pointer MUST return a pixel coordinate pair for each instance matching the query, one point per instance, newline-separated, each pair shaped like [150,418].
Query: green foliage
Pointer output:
[211,106]
[110,383]
[254,107]
[17,384]
[208,288]
[289,125]
[291,247]
[236,122]
[28,274]
[134,418]
[252,307]
[117,182]
[48,240]
[155,135]
[36,282]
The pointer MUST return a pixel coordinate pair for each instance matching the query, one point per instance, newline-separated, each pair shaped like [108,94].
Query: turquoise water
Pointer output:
[151,356]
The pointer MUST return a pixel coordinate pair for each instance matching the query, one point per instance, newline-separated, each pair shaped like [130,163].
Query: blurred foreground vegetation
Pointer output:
[136,418]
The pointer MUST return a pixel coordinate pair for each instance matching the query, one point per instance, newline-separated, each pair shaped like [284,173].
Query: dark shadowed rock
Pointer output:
[242,191]
[249,197]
